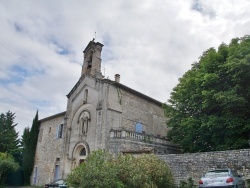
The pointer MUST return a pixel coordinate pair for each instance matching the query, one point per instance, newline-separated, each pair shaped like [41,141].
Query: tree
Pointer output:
[29,142]
[126,171]
[25,137]
[7,165]
[9,141]
[209,109]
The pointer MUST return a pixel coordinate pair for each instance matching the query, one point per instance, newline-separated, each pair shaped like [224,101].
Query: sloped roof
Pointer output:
[53,116]
[116,84]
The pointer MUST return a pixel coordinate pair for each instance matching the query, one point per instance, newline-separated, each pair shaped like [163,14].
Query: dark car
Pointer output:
[221,178]
[57,184]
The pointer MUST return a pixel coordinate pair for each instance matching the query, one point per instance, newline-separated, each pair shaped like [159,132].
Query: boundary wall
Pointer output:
[194,165]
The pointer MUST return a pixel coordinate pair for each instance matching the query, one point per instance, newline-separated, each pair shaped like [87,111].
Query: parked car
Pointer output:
[57,184]
[222,178]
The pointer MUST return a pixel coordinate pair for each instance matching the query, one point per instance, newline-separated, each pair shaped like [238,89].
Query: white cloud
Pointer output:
[149,43]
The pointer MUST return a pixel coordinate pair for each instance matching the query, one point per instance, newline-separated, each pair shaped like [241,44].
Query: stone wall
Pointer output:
[194,165]
[49,151]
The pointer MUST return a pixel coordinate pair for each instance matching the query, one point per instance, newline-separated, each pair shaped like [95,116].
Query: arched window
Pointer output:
[138,127]
[82,156]
[80,153]
[83,152]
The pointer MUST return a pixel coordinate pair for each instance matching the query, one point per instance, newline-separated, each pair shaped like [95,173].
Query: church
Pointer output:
[100,114]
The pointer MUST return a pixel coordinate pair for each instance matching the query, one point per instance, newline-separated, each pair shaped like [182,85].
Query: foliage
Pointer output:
[144,171]
[210,107]
[9,141]
[125,171]
[7,165]
[99,171]
[248,183]
[25,137]
[9,147]
[29,142]
[187,184]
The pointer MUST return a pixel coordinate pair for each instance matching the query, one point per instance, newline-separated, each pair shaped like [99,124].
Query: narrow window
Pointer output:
[60,131]
[56,175]
[85,96]
[89,61]
[49,129]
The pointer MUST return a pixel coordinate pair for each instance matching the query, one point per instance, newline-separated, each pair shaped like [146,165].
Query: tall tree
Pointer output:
[210,107]
[29,141]
[25,137]
[9,141]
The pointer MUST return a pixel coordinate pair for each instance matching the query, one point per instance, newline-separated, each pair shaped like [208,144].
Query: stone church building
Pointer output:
[100,114]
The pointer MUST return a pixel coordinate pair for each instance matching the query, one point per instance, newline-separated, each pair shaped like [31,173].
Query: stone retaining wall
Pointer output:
[194,165]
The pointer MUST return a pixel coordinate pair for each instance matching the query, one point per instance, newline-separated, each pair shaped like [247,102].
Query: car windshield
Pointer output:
[216,173]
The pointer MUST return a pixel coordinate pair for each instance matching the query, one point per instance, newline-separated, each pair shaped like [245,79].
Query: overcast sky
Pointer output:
[150,43]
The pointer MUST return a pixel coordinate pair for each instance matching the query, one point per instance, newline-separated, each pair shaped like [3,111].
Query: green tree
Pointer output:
[29,142]
[210,107]
[104,170]
[9,141]
[7,165]
[25,137]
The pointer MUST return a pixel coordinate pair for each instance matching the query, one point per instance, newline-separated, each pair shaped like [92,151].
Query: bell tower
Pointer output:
[92,59]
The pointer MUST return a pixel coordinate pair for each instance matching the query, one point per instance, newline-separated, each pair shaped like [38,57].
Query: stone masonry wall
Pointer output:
[49,151]
[194,165]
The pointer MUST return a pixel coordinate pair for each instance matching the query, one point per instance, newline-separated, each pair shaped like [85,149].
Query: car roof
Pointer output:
[219,169]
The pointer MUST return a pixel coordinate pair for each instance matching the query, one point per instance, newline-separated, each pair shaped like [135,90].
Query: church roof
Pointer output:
[53,116]
[126,88]
[117,84]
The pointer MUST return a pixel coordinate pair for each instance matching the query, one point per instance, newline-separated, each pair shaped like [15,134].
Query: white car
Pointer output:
[222,178]
[57,184]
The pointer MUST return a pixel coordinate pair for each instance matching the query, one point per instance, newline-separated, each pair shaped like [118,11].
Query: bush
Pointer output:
[144,171]
[188,184]
[7,165]
[125,171]
[98,171]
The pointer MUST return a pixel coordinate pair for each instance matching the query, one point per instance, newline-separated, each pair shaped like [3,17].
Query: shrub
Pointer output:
[7,165]
[98,171]
[188,184]
[125,171]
